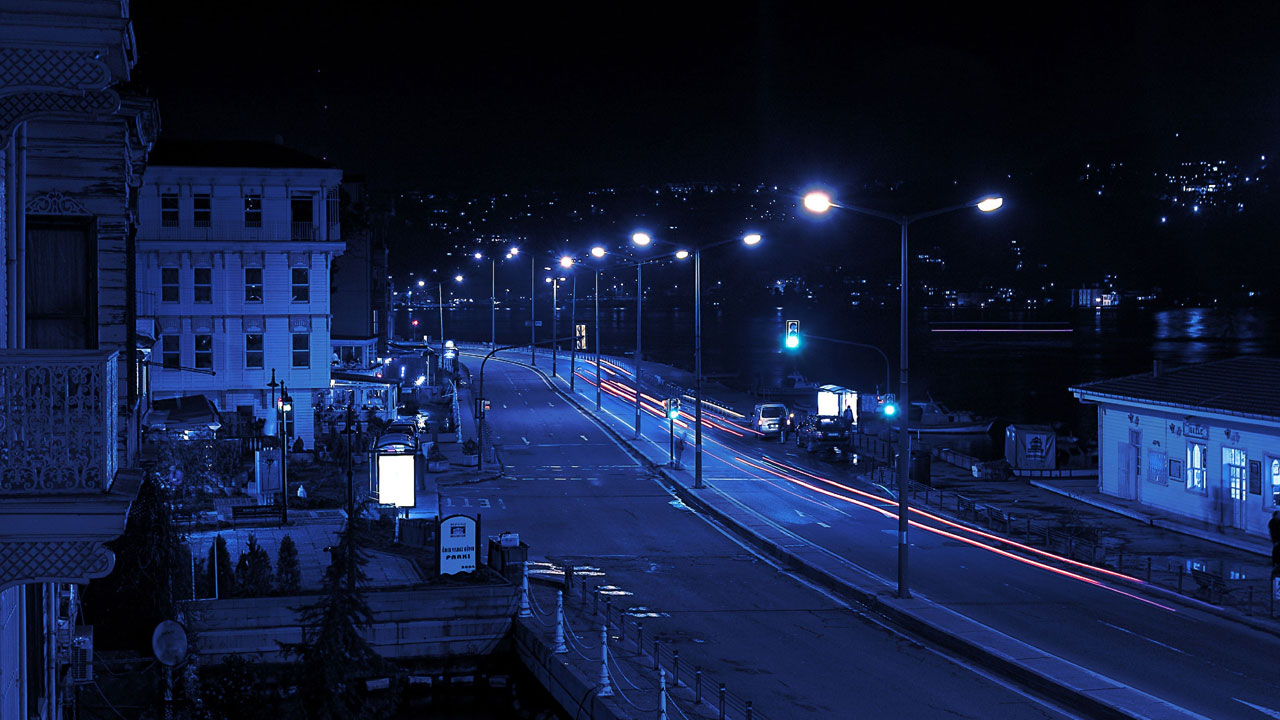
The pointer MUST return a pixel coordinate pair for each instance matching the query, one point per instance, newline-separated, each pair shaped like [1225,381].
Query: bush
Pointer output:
[253,571]
[288,570]
[469,447]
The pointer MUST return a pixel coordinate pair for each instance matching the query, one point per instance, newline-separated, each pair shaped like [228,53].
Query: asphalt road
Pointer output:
[1193,659]
[576,497]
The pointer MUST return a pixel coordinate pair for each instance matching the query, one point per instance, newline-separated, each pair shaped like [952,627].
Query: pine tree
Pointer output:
[288,570]
[334,657]
[220,559]
[253,571]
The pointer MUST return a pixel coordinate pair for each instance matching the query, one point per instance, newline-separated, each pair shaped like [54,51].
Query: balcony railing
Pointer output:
[58,415]
[238,232]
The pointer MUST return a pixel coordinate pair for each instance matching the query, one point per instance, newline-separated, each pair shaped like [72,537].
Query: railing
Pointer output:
[238,232]
[58,417]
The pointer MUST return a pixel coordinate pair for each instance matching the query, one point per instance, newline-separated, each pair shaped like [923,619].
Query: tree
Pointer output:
[150,561]
[334,656]
[253,571]
[288,570]
[220,559]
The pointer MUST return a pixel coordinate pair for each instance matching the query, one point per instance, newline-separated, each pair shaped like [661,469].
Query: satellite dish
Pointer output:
[169,642]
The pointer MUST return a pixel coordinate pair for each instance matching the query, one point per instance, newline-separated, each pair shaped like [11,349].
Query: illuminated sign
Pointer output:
[396,476]
[457,545]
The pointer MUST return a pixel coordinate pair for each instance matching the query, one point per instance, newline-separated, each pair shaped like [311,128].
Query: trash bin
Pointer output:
[919,468]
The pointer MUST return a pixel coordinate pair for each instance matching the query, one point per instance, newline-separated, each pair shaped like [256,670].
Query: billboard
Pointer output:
[396,480]
[457,544]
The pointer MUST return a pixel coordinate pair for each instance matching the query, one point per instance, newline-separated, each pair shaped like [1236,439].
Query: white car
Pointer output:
[769,419]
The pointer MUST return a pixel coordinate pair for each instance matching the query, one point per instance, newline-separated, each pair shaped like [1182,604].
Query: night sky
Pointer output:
[497,97]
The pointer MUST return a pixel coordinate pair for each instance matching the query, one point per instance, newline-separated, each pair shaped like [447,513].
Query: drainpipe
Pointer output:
[18,280]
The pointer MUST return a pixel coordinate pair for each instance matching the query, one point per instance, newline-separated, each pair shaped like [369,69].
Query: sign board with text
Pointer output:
[457,545]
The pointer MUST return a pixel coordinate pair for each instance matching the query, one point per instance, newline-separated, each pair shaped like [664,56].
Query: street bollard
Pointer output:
[584,592]
[524,591]
[595,602]
[568,577]
[748,710]
[655,653]
[1179,574]
[608,611]
[557,646]
[605,689]
[675,668]
[697,685]
[721,701]
[662,695]
[640,639]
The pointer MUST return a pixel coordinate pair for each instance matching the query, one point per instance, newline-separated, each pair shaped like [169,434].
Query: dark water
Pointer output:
[1012,376]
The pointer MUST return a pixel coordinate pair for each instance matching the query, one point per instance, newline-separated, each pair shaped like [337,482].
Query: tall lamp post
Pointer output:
[820,202]
[286,406]
[493,293]
[641,239]
[597,252]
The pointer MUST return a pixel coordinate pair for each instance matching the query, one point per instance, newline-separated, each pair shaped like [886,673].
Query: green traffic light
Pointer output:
[890,410]
[793,342]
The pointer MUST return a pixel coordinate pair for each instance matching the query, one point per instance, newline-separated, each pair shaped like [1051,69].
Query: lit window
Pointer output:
[1273,465]
[203,285]
[1235,464]
[301,285]
[202,210]
[204,352]
[1196,467]
[171,351]
[169,210]
[169,284]
[253,211]
[253,284]
[301,350]
[253,350]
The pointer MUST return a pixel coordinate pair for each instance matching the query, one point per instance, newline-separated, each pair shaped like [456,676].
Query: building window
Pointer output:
[203,284]
[169,209]
[1235,466]
[1197,480]
[202,210]
[253,350]
[169,284]
[301,350]
[253,284]
[171,351]
[253,211]
[301,285]
[204,352]
[1273,472]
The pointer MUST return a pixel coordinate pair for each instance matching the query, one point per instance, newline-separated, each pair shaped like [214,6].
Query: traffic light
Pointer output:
[792,340]
[673,408]
[889,406]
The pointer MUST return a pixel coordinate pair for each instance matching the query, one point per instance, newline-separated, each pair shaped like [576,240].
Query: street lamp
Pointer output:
[597,252]
[820,202]
[286,406]
[493,292]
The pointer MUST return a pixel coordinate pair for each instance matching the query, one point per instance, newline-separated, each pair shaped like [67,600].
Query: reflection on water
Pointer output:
[1011,376]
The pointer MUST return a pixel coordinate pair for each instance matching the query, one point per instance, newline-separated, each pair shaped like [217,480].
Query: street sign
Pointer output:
[457,545]
[580,337]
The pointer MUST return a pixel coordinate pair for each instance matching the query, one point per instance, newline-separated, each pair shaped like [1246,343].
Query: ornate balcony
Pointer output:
[58,417]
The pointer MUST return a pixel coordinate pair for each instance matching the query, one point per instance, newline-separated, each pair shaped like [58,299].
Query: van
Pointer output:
[769,419]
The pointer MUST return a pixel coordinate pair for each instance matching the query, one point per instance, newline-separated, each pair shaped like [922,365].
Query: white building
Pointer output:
[236,242]
[1200,441]
[72,145]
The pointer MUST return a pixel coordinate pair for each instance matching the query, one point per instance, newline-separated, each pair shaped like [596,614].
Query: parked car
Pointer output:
[817,431]
[769,419]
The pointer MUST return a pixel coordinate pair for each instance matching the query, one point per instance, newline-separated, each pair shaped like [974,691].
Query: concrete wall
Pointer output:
[431,623]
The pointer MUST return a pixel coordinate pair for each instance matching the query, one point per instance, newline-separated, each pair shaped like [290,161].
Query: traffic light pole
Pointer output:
[671,421]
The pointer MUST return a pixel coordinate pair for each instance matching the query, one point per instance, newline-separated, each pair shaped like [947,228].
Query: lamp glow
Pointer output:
[566,262]
[751,238]
[817,202]
[990,204]
[641,239]
[457,278]
[682,254]
[422,283]
[515,251]
[479,255]
[597,252]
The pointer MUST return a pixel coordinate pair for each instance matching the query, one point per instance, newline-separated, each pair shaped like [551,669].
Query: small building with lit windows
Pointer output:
[236,243]
[1201,441]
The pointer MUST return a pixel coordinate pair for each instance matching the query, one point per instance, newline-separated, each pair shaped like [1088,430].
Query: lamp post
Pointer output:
[641,239]
[533,324]
[820,202]
[573,322]
[286,405]
[597,252]
[493,292]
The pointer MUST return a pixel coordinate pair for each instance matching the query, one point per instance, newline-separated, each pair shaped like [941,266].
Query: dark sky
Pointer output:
[501,96]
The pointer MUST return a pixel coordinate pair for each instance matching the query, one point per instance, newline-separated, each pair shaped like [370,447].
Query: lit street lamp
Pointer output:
[820,202]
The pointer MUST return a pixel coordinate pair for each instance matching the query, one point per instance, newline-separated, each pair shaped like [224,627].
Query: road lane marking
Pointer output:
[823,524]
[525,439]
[1144,637]
[1264,710]
[584,438]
